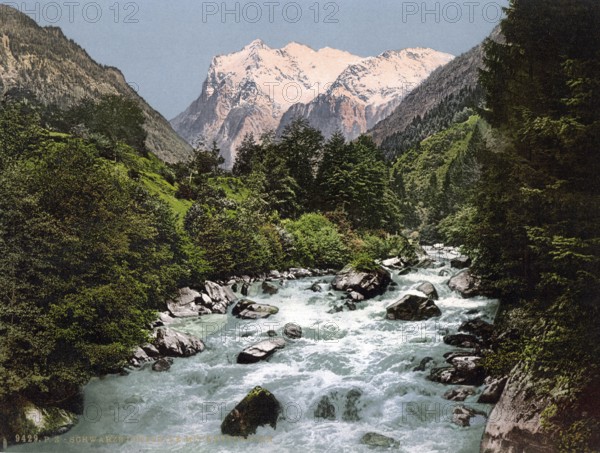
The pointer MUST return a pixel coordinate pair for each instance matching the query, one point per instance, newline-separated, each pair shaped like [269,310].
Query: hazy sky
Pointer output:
[164,47]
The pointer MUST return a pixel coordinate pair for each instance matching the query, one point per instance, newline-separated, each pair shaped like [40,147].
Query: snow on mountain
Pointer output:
[259,89]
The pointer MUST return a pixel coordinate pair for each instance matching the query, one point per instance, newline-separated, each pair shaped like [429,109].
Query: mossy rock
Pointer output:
[258,408]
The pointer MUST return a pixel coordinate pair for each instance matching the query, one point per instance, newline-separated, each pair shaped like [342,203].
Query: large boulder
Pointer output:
[21,417]
[413,308]
[184,304]
[220,297]
[466,284]
[247,309]
[429,290]
[368,283]
[175,344]
[260,351]
[162,365]
[258,408]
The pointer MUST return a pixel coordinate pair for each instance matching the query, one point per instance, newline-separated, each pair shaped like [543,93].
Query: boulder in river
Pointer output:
[245,289]
[466,284]
[462,340]
[163,364]
[325,409]
[300,273]
[260,351]
[429,290]
[413,308]
[174,344]
[316,288]
[184,304]
[222,295]
[465,416]
[379,441]
[493,390]
[423,364]
[368,283]
[292,331]
[464,371]
[478,327]
[258,408]
[247,309]
[459,393]
[270,288]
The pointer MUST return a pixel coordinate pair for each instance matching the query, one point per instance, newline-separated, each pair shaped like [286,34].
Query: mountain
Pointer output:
[41,60]
[253,90]
[368,91]
[430,107]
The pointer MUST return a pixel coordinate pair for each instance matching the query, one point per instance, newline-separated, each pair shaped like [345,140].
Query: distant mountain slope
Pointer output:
[250,91]
[430,107]
[58,71]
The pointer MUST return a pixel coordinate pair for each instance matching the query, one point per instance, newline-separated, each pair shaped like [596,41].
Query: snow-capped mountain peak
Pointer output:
[260,88]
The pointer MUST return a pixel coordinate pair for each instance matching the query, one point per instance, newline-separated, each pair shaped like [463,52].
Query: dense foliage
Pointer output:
[536,231]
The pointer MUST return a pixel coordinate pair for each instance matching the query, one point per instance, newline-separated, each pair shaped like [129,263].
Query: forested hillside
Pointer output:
[43,62]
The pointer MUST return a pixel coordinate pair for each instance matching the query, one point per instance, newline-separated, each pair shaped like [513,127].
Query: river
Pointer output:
[361,361]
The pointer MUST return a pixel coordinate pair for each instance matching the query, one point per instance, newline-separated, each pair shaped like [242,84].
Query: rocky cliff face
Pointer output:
[259,89]
[514,426]
[43,61]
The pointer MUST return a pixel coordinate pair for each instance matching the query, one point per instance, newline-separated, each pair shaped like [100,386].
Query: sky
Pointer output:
[164,47]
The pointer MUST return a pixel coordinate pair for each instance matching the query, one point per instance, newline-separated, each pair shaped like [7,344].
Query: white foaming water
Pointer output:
[362,362]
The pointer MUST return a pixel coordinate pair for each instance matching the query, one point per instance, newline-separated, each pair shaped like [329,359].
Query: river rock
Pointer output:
[300,273]
[478,327]
[464,371]
[163,364]
[493,390]
[461,262]
[368,283]
[465,416]
[258,408]
[292,331]
[245,289]
[379,441]
[413,308]
[270,288]
[459,394]
[351,409]
[21,417]
[462,340]
[356,296]
[247,309]
[219,294]
[316,288]
[466,284]
[325,409]
[139,358]
[260,351]
[429,290]
[276,275]
[423,365]
[184,304]
[174,344]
